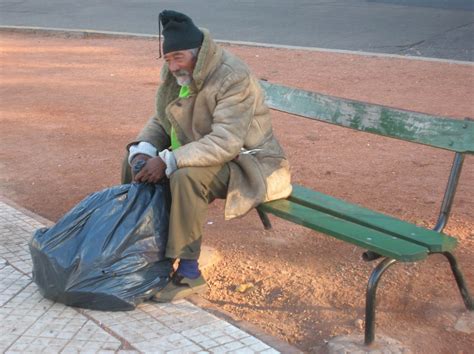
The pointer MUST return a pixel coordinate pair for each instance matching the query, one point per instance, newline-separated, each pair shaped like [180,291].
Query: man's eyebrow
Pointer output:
[174,56]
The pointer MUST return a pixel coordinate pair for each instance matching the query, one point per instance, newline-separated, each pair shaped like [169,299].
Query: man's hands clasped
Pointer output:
[152,172]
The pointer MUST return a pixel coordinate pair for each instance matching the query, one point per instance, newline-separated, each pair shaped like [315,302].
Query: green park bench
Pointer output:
[382,236]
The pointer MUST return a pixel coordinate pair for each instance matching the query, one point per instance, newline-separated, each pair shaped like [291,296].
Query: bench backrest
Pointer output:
[436,131]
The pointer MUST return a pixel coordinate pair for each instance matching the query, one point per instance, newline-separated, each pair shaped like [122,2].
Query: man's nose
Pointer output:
[173,66]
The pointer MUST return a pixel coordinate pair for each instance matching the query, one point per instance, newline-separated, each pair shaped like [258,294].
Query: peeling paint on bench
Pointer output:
[437,131]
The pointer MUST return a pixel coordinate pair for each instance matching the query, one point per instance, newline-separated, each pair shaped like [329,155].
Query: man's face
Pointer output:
[181,64]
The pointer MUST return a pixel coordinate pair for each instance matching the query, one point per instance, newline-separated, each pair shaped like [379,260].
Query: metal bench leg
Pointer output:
[460,280]
[267,225]
[370,298]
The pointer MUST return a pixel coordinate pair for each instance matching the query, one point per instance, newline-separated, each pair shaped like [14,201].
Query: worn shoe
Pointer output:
[180,287]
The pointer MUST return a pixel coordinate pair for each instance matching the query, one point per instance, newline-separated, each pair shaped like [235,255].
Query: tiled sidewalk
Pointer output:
[30,323]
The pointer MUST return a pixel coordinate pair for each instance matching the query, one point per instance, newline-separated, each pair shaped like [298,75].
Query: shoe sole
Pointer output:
[200,289]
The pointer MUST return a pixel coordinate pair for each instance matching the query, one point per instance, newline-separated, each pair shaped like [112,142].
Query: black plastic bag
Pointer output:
[108,252]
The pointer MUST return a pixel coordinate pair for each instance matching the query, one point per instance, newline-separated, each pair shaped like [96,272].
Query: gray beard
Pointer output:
[183,78]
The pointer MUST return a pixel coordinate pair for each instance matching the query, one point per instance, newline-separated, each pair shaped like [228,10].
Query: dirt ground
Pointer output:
[69,105]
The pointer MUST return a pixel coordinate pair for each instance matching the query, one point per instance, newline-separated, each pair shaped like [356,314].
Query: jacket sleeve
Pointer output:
[231,121]
[153,133]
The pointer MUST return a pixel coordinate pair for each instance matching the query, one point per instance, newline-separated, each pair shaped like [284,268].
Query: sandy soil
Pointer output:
[69,106]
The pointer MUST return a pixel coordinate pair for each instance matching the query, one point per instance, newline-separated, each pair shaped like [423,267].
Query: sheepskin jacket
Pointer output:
[224,120]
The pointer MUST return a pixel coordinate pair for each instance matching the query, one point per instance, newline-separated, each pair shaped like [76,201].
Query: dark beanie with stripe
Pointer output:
[179,32]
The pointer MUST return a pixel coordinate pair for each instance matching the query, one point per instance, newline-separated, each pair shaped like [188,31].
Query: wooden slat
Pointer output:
[364,237]
[434,241]
[436,131]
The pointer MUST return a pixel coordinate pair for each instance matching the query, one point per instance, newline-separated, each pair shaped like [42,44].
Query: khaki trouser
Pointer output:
[192,189]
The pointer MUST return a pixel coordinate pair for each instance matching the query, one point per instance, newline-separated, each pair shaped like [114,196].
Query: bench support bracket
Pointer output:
[375,278]
[267,225]
[467,298]
[450,192]
[370,300]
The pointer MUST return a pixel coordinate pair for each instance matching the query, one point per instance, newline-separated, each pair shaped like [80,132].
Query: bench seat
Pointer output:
[377,232]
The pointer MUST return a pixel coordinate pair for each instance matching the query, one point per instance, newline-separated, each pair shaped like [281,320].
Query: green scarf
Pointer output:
[183,93]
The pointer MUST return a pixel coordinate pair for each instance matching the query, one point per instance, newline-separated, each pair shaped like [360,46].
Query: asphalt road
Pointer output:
[430,28]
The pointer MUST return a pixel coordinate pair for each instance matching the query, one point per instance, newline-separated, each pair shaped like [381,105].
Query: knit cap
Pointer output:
[179,32]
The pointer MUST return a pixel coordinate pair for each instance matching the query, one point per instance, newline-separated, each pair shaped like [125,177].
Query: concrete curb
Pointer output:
[85,33]
[255,331]
[39,218]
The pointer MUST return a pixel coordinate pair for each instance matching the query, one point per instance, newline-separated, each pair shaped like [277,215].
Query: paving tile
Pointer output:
[259,346]
[15,323]
[189,349]
[174,341]
[33,344]
[15,233]
[52,327]
[6,340]
[270,351]
[208,344]
[244,350]
[93,346]
[234,345]
[11,282]
[249,340]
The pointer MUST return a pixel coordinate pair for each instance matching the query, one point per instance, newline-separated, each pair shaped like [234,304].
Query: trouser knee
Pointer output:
[187,179]
[207,182]
[185,174]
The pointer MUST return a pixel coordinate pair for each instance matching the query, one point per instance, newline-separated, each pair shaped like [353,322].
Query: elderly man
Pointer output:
[212,137]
